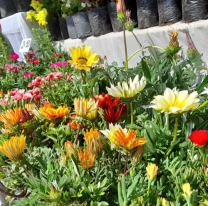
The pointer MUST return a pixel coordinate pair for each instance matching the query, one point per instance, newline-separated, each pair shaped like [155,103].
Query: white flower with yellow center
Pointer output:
[127,90]
[175,102]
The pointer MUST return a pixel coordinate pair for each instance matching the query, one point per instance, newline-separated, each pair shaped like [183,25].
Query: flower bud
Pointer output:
[152,171]
[186,190]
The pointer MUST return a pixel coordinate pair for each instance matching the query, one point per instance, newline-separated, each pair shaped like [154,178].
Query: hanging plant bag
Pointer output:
[99,21]
[54,28]
[116,24]
[22,5]
[193,10]
[63,27]
[82,25]
[147,13]
[71,28]
[131,5]
[170,11]
[7,8]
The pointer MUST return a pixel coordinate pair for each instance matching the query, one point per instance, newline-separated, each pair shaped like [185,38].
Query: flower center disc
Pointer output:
[82,60]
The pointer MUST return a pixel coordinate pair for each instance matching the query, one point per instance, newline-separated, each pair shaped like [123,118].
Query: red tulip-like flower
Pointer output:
[111,116]
[36,61]
[104,101]
[199,137]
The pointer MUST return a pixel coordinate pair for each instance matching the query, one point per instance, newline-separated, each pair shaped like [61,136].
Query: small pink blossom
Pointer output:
[14,56]
[27,96]
[28,74]
[57,75]
[36,91]
[38,97]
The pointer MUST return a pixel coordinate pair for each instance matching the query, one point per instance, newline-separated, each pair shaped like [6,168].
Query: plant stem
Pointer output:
[81,71]
[77,136]
[167,121]
[119,157]
[13,195]
[125,166]
[132,114]
[137,39]
[125,47]
[33,138]
[134,54]
[148,189]
[174,137]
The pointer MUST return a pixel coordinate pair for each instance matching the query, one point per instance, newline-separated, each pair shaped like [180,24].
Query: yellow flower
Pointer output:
[11,117]
[111,132]
[14,148]
[81,57]
[165,202]
[31,15]
[127,90]
[85,108]
[175,102]
[128,140]
[41,17]
[94,140]
[70,149]
[54,114]
[87,159]
[186,190]
[29,107]
[152,170]
[36,5]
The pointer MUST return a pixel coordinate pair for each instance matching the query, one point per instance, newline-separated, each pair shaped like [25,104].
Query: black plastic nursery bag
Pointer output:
[193,10]
[22,5]
[116,24]
[147,13]
[71,28]
[82,25]
[63,27]
[54,28]
[170,11]
[99,21]
[7,8]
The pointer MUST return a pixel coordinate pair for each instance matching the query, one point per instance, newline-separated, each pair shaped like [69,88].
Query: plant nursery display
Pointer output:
[75,130]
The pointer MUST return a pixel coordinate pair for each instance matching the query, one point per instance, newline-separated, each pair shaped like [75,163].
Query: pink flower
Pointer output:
[27,96]
[57,75]
[53,65]
[65,63]
[14,56]
[28,74]
[30,54]
[36,91]
[17,97]
[50,76]
[8,66]
[58,64]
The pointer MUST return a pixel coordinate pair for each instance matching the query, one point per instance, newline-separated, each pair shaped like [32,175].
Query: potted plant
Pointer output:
[99,18]
[54,12]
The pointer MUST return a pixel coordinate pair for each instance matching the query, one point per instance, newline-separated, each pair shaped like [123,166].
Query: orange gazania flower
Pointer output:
[49,105]
[11,117]
[74,125]
[129,140]
[94,140]
[14,147]
[87,159]
[54,114]
[1,93]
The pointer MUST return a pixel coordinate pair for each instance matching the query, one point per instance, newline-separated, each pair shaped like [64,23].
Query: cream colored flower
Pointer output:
[175,102]
[127,90]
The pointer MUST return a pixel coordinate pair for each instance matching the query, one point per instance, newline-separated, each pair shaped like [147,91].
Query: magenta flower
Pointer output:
[14,56]
[52,65]
[28,74]
[59,64]
[65,63]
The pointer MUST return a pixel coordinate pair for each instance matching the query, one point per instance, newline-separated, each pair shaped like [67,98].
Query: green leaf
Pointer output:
[145,69]
[131,188]
[203,84]
[120,199]
[123,183]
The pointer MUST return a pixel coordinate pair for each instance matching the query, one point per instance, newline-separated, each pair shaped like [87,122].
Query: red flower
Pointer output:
[36,61]
[14,56]
[104,101]
[111,116]
[199,137]
[59,55]
[54,54]
[30,54]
